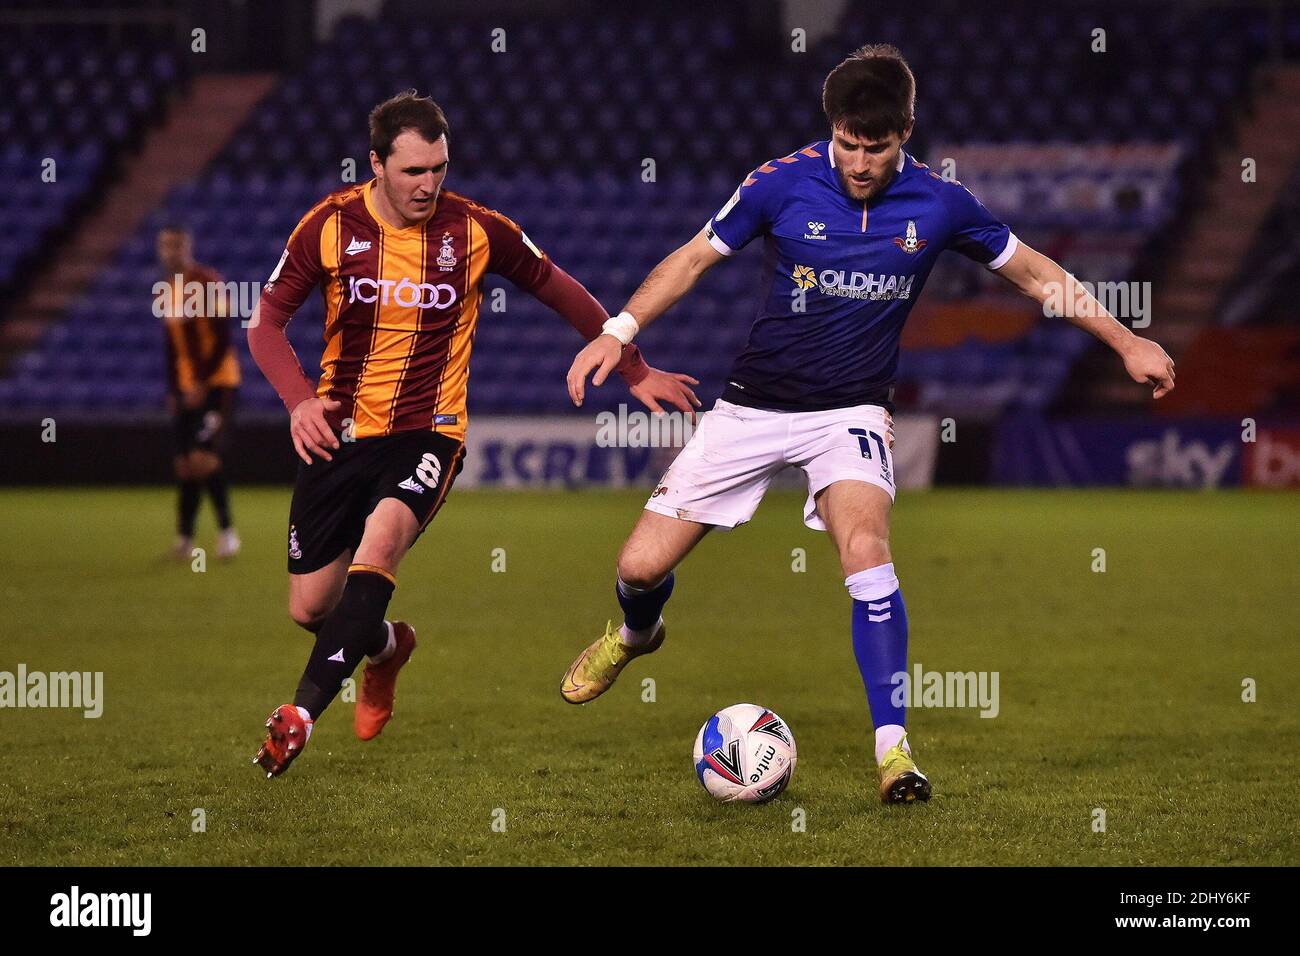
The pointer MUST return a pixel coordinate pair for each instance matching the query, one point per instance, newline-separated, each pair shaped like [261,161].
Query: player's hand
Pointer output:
[1147,362]
[310,430]
[193,397]
[601,355]
[671,388]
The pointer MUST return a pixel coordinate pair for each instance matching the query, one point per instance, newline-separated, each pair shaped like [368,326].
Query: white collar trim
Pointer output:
[830,156]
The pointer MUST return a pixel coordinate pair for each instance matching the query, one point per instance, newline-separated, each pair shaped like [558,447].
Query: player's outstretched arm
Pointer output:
[1044,281]
[666,283]
[274,355]
[571,300]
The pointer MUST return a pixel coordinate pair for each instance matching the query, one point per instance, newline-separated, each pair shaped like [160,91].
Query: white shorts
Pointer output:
[725,469]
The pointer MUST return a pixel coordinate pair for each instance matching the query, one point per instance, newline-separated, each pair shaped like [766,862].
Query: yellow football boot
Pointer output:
[901,781]
[600,664]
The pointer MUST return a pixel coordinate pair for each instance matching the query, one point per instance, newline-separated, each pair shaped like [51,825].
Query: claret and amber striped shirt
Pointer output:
[198,347]
[401,305]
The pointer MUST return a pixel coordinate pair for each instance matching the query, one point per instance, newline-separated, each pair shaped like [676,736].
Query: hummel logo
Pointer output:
[356,246]
[338,657]
[410,484]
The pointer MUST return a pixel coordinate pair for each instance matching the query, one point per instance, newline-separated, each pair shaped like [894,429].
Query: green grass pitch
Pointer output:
[1120,691]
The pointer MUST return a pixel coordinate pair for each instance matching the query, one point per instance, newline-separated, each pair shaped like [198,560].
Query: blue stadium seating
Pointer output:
[554,132]
[69,109]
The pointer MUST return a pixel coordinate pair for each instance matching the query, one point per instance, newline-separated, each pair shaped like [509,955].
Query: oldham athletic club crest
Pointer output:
[911,244]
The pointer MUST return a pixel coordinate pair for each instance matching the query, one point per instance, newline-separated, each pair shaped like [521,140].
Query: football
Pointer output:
[744,752]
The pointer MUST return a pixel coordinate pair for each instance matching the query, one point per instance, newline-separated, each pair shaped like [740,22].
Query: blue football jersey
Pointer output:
[841,275]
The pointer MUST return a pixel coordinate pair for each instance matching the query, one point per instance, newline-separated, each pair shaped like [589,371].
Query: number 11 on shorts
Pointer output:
[865,438]
[863,435]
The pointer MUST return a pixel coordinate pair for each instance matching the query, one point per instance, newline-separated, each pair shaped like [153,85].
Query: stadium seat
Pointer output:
[1002,103]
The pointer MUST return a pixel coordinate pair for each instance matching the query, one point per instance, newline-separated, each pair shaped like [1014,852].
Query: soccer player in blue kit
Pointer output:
[852,227]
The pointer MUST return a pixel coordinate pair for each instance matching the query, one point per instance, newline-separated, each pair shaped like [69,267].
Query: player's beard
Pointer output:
[867,193]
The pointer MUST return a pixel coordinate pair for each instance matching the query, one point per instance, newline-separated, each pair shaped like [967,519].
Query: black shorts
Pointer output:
[332,499]
[206,427]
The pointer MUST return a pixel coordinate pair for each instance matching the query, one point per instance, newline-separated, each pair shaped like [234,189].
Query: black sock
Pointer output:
[187,506]
[353,630]
[642,607]
[220,492]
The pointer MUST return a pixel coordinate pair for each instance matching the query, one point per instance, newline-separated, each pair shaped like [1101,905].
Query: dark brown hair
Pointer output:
[404,111]
[872,93]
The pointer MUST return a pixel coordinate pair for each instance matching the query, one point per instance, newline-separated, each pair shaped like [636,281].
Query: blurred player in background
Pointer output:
[202,383]
[400,263]
[852,226]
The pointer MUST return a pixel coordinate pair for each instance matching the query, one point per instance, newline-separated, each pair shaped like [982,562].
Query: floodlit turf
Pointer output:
[1119,691]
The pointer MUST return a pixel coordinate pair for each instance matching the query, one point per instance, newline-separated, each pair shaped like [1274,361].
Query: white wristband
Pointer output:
[622,326]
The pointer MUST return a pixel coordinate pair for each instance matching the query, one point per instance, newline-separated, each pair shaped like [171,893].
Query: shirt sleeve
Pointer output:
[275,356]
[749,212]
[511,254]
[300,269]
[977,234]
[567,296]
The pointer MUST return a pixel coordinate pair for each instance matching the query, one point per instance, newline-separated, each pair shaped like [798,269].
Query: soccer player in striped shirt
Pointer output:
[400,263]
[202,383]
[852,226]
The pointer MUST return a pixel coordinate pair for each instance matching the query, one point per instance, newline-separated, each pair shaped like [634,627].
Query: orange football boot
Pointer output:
[375,701]
[286,735]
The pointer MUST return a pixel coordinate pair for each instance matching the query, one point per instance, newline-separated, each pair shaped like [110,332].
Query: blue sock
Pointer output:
[642,607]
[880,641]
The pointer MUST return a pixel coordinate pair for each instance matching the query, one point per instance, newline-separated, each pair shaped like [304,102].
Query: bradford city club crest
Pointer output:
[911,244]
[446,258]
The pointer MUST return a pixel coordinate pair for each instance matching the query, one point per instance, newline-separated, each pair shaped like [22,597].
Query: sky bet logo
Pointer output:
[401,292]
[853,285]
